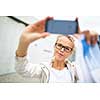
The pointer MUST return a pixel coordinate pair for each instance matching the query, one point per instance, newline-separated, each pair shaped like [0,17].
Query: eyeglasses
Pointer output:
[66,48]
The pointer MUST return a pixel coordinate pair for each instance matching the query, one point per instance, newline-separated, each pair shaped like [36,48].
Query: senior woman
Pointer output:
[59,69]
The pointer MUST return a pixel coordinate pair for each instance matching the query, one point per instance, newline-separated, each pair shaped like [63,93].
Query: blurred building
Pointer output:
[10,30]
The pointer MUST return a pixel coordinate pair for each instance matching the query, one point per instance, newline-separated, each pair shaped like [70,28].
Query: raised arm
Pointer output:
[30,34]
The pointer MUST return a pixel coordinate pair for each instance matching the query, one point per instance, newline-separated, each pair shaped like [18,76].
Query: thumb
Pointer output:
[45,34]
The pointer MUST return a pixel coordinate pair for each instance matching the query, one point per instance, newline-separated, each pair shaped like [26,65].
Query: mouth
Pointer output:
[60,54]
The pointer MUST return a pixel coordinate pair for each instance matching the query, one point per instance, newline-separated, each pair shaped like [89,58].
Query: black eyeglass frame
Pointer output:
[66,48]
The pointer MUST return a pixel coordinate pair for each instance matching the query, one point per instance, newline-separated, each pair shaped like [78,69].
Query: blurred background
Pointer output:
[10,31]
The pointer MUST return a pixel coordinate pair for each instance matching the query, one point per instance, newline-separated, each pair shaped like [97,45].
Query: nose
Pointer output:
[62,49]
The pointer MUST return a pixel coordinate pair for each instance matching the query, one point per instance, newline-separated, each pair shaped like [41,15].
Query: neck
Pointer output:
[59,65]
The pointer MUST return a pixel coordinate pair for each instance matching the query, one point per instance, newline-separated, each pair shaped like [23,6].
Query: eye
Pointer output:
[60,45]
[68,48]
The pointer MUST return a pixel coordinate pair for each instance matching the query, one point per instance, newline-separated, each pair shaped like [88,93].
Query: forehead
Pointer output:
[65,41]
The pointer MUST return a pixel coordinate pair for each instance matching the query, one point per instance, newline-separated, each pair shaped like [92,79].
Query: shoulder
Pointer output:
[45,64]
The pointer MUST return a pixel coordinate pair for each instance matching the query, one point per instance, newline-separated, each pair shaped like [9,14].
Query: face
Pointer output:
[63,48]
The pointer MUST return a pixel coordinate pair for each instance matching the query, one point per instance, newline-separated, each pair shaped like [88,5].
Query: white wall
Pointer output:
[9,35]
[90,22]
[10,32]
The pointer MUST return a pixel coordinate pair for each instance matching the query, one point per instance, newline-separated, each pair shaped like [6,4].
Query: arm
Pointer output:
[90,36]
[30,34]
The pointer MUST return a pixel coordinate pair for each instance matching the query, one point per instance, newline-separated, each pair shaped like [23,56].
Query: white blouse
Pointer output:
[60,76]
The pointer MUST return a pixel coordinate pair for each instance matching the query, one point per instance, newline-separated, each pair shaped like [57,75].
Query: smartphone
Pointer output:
[61,26]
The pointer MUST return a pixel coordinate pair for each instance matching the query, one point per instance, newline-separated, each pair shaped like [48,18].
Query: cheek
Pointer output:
[56,54]
[67,55]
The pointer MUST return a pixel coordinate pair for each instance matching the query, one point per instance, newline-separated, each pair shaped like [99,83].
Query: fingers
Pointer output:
[30,28]
[38,26]
[43,21]
[94,37]
[90,36]
[87,36]
[78,28]
[48,18]
[45,34]
[76,19]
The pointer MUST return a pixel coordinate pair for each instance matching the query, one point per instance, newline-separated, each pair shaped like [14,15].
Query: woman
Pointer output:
[59,69]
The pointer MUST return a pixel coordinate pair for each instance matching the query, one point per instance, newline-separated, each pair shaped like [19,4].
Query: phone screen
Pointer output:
[61,27]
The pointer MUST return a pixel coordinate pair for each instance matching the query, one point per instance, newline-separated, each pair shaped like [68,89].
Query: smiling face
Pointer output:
[63,48]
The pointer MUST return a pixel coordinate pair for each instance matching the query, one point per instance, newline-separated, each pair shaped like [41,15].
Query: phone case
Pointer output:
[61,27]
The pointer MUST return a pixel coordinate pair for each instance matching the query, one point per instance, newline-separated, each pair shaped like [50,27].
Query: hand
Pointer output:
[94,37]
[35,31]
[91,37]
[38,26]
[30,34]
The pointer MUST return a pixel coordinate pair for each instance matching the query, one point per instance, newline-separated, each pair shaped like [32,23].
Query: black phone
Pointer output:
[61,26]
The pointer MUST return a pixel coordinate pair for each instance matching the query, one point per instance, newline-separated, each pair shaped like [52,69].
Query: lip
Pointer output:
[60,54]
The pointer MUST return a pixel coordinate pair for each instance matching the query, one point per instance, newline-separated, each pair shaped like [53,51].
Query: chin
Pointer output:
[59,58]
